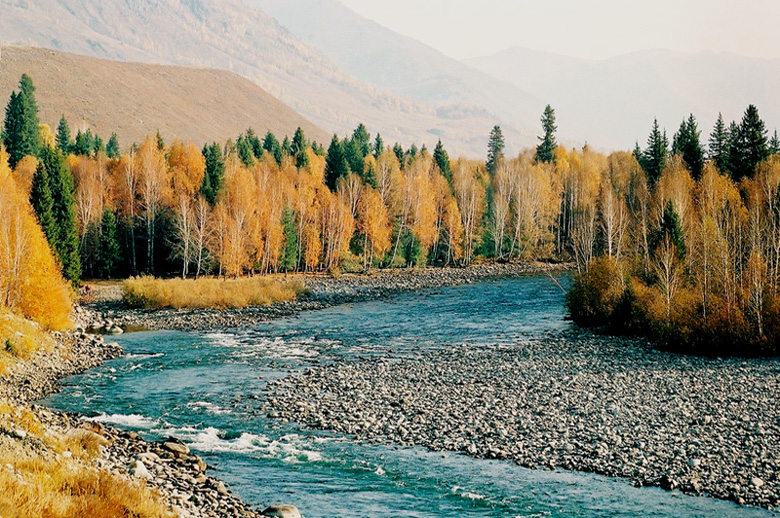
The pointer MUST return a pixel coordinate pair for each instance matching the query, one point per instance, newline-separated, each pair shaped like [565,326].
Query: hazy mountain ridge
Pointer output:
[230,35]
[615,100]
[405,66]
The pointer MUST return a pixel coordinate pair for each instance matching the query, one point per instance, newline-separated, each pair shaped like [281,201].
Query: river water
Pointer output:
[207,388]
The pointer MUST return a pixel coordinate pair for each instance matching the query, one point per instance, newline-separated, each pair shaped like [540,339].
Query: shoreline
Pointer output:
[322,292]
[573,400]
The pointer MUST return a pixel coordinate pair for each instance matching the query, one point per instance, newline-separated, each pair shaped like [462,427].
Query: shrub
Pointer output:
[152,293]
[595,293]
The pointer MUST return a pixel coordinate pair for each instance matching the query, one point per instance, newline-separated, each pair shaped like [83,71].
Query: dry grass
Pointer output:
[19,339]
[152,293]
[36,481]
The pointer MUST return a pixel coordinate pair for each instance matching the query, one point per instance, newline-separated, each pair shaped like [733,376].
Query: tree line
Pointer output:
[258,205]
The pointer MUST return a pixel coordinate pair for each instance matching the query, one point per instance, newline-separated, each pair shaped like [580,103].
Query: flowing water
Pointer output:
[207,388]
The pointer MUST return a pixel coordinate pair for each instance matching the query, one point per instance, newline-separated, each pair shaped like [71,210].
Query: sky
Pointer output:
[594,29]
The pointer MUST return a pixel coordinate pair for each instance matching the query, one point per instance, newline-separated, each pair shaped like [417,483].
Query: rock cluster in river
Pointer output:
[109,314]
[575,401]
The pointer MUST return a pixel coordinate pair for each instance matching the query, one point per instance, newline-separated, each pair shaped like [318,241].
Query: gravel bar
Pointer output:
[574,400]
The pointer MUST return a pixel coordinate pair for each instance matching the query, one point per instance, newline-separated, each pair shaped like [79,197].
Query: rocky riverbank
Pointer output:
[110,314]
[575,401]
[168,468]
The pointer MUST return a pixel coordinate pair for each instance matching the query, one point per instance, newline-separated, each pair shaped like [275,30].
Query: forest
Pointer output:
[673,240]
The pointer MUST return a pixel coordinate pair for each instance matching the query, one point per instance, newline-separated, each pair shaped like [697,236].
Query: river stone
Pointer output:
[176,446]
[283,511]
[138,469]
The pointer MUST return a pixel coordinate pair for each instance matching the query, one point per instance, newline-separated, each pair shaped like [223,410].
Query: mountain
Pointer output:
[230,35]
[134,100]
[612,102]
[404,66]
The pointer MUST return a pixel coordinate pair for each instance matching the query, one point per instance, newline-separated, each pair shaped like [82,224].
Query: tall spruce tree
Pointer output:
[20,129]
[109,255]
[545,151]
[336,165]
[654,157]
[63,139]
[719,145]
[750,146]
[254,142]
[245,153]
[62,188]
[398,151]
[112,148]
[686,143]
[43,205]
[362,138]
[442,160]
[379,145]
[298,148]
[214,175]
[774,144]
[271,145]
[289,260]
[286,146]
[495,153]
[670,228]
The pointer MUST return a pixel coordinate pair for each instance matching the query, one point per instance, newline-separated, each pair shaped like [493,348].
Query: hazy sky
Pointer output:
[583,28]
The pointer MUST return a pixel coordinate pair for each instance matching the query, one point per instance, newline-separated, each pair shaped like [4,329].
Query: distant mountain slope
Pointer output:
[613,102]
[134,100]
[230,35]
[405,66]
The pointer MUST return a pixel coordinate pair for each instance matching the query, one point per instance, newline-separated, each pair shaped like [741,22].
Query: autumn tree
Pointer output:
[153,190]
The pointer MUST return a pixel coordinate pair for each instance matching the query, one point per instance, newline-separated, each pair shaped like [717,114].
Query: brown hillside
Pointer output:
[132,99]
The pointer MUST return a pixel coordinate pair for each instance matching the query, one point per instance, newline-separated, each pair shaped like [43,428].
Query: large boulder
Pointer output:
[283,511]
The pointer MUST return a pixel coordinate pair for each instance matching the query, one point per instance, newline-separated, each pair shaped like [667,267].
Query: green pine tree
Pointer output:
[98,146]
[160,141]
[750,146]
[112,148]
[774,144]
[83,144]
[363,140]
[336,165]
[214,175]
[495,153]
[64,141]
[379,145]
[43,205]
[654,157]
[298,148]
[442,160]
[354,155]
[20,128]
[245,152]
[62,188]
[686,143]
[670,227]
[398,151]
[254,142]
[545,151]
[719,145]
[289,262]
[108,246]
[286,146]
[271,145]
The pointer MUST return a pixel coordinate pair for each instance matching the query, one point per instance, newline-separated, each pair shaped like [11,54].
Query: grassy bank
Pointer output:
[52,473]
[151,293]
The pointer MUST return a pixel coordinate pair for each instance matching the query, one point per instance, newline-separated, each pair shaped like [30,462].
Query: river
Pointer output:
[207,388]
